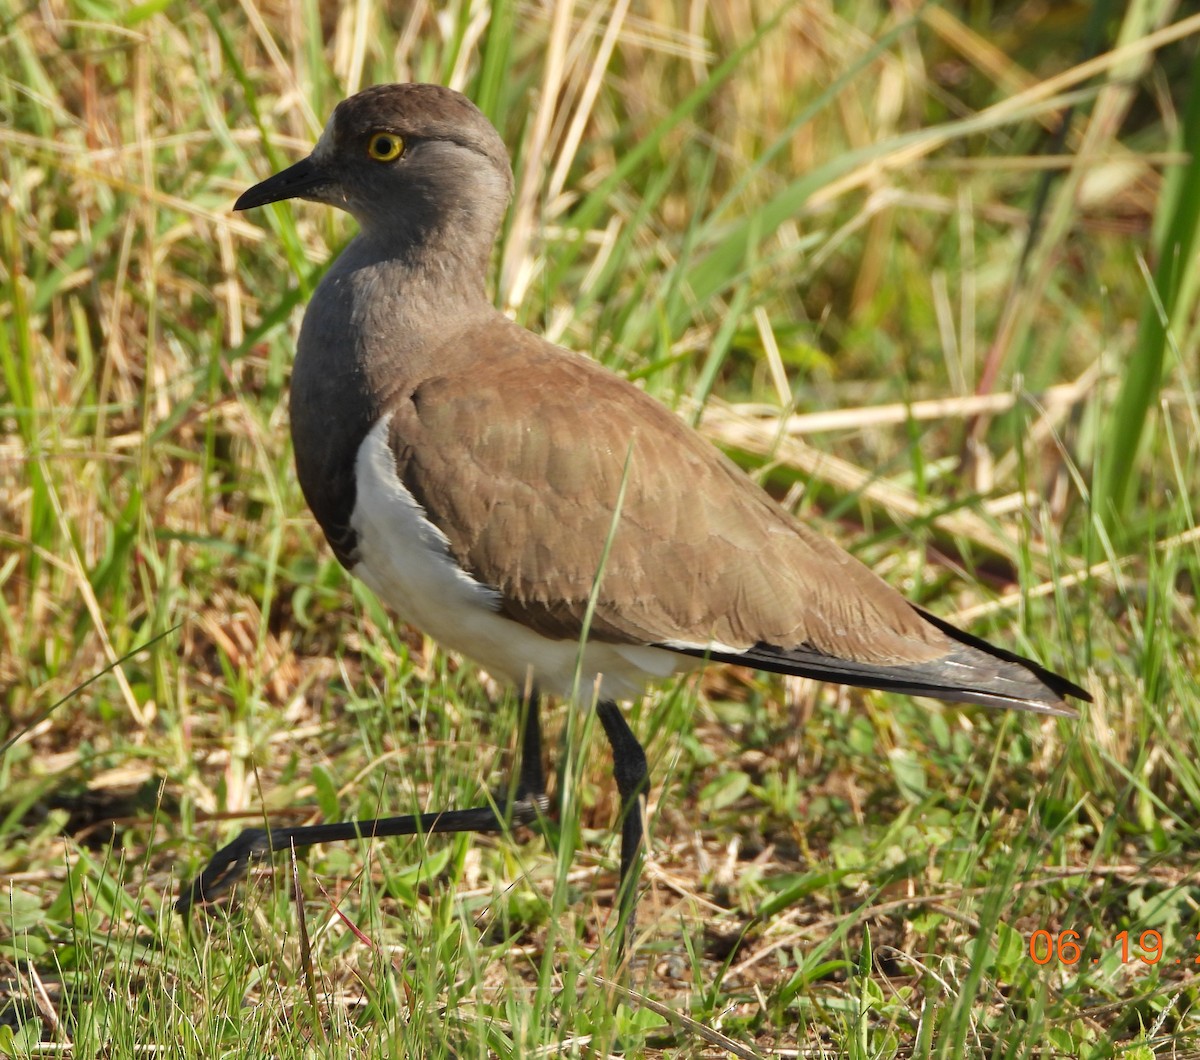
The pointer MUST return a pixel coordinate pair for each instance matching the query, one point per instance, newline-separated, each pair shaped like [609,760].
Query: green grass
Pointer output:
[757,212]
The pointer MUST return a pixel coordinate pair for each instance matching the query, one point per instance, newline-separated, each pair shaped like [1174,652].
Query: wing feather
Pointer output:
[700,555]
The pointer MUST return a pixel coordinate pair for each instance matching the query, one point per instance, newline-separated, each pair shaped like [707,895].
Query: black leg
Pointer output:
[629,769]
[531,777]
[229,864]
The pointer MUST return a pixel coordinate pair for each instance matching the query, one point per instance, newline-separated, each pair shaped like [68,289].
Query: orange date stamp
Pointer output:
[1067,947]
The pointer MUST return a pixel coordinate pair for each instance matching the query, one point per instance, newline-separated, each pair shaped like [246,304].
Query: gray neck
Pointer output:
[380,313]
[380,322]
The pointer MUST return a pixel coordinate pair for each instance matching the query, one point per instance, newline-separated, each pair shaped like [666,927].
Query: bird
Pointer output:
[526,507]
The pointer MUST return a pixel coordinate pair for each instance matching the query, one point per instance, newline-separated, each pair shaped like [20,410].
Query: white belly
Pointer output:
[405,560]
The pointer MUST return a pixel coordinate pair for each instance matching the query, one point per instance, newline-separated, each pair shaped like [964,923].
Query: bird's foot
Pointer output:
[526,808]
[230,863]
[225,868]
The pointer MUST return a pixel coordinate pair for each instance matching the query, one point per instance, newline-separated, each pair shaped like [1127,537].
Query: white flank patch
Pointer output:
[405,560]
[712,646]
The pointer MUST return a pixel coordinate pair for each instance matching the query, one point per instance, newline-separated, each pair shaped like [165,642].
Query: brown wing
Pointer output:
[519,456]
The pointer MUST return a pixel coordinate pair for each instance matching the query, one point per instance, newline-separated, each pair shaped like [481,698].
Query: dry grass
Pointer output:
[838,247]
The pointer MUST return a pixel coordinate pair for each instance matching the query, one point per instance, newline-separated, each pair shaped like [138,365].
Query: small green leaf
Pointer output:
[638,1020]
[1010,952]
[326,792]
[793,888]
[724,791]
[909,773]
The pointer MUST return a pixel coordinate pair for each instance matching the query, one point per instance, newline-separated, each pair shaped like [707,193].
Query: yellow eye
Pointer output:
[385,147]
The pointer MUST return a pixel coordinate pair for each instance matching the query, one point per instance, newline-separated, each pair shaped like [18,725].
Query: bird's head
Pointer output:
[404,160]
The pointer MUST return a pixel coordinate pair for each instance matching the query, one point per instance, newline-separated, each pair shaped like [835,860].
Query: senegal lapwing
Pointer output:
[490,486]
